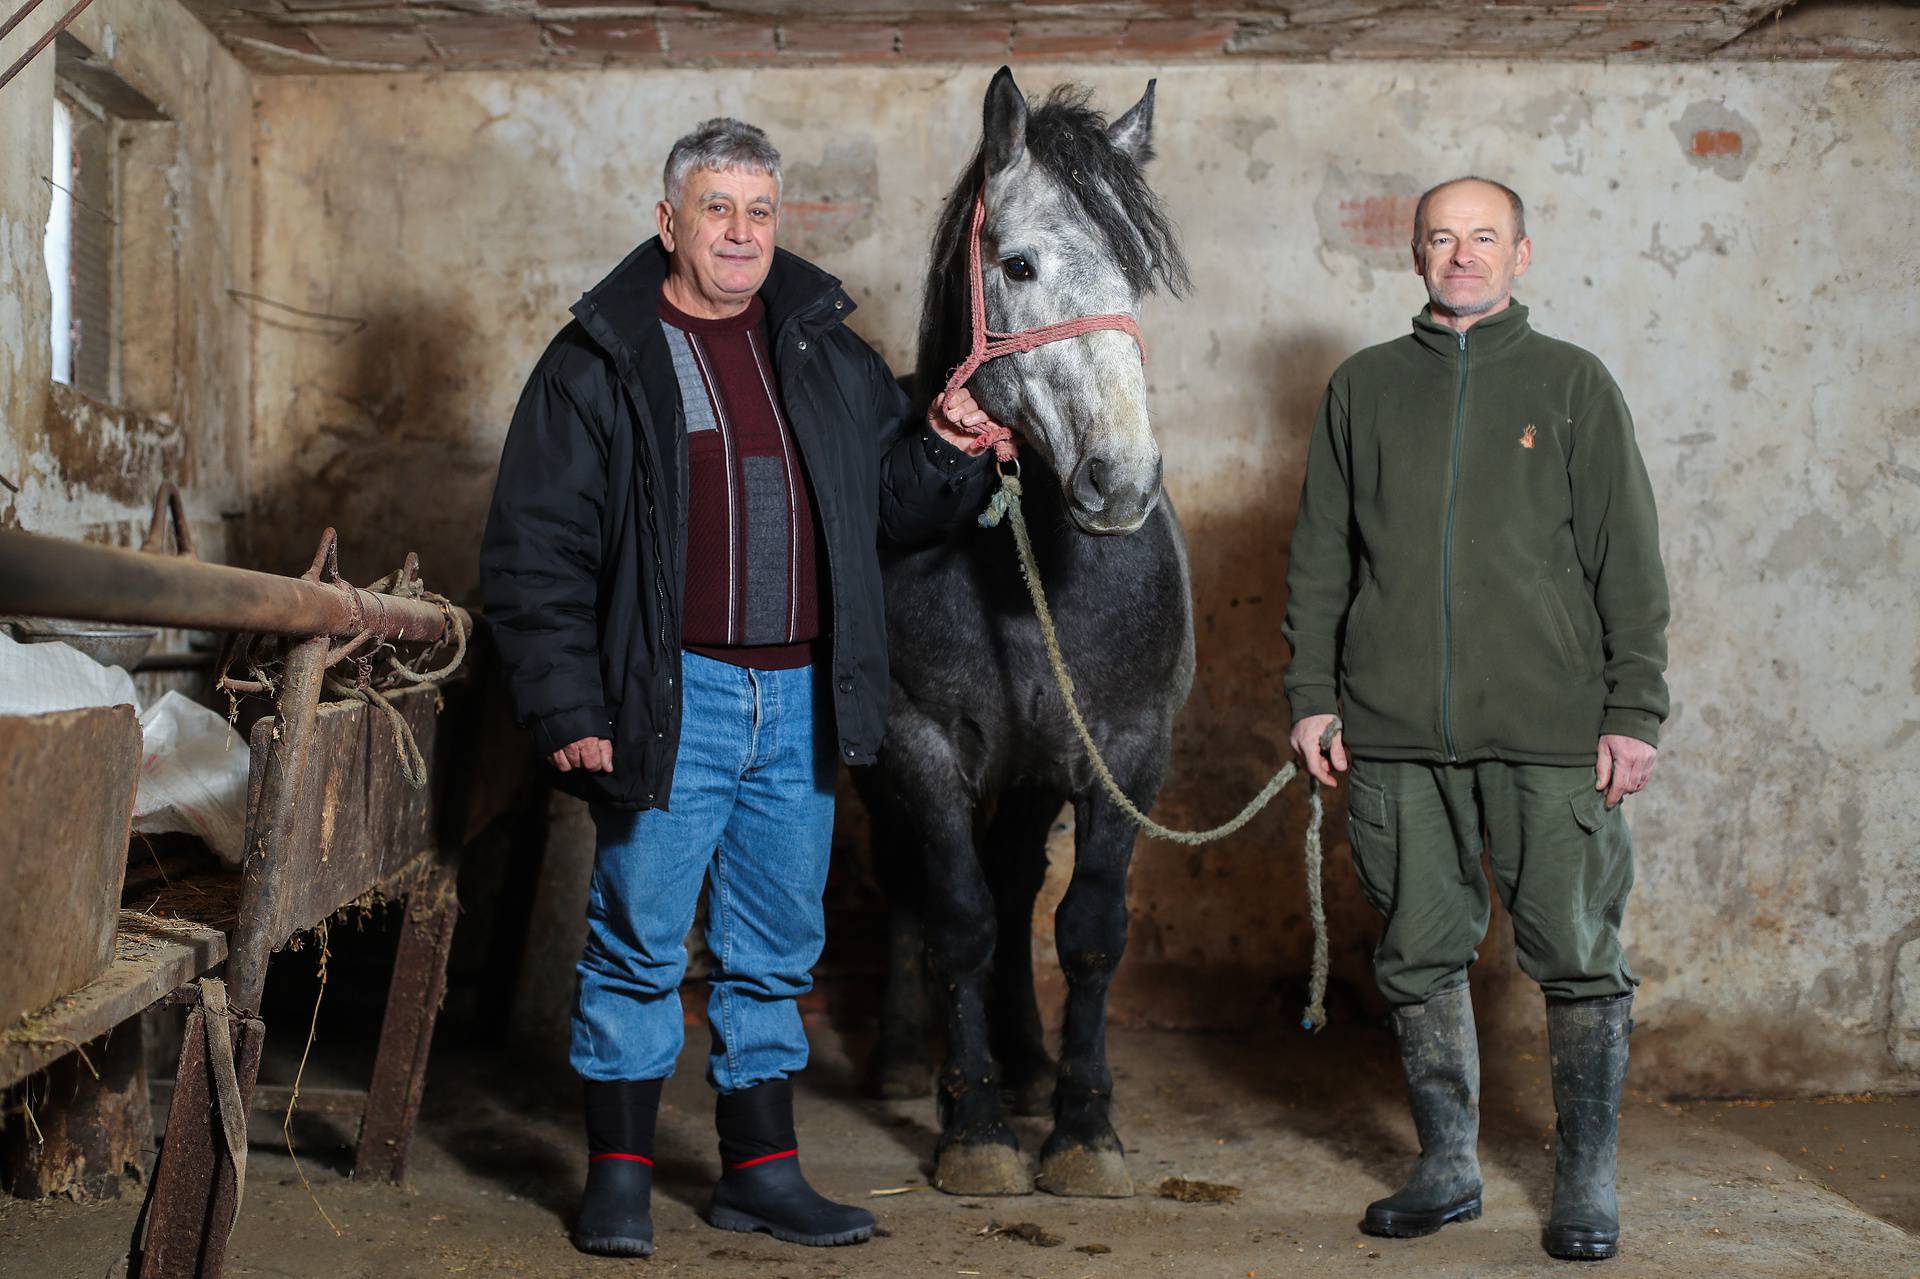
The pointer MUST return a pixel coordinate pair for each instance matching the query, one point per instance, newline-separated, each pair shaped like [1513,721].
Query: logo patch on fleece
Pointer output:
[1527,437]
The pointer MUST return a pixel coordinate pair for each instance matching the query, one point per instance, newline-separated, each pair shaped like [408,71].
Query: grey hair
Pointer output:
[720,143]
[1514,203]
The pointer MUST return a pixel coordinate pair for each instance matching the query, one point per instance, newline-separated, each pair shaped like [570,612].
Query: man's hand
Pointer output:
[595,754]
[1624,767]
[957,418]
[1306,744]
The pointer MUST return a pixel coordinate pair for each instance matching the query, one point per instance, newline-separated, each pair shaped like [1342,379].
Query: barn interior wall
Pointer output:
[1738,243]
[87,467]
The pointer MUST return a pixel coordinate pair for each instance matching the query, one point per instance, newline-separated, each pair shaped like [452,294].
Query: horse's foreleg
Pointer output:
[978,1152]
[1015,851]
[1084,1156]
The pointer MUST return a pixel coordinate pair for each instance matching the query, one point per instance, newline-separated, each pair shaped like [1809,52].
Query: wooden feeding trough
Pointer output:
[347,801]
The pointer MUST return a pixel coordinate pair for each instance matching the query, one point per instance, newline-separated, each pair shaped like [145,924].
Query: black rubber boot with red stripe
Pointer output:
[616,1212]
[760,1187]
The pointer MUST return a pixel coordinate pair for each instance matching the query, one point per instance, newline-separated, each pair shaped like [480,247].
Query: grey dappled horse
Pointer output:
[979,757]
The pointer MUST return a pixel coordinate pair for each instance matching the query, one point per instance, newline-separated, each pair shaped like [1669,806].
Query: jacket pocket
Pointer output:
[1562,627]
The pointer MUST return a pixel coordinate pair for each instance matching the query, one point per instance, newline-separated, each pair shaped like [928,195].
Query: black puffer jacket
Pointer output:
[583,565]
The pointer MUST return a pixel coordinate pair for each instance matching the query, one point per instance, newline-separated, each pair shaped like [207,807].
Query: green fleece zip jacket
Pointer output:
[1476,571]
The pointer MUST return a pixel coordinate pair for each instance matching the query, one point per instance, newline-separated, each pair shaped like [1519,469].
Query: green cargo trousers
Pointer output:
[1563,862]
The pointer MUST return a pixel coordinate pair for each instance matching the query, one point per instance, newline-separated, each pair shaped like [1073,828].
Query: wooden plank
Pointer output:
[272,1099]
[151,957]
[67,782]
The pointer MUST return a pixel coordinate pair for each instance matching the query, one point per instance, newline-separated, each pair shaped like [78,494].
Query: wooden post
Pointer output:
[88,1130]
[406,1034]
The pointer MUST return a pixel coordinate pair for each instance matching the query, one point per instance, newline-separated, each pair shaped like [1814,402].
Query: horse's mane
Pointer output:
[1068,140]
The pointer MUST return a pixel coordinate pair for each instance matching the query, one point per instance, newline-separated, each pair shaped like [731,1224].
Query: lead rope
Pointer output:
[1006,503]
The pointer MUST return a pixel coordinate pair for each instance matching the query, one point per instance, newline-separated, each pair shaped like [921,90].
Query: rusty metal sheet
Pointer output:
[192,1202]
[356,820]
[67,782]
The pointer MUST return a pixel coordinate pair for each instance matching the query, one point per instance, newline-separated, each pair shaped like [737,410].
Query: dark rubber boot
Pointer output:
[1442,1060]
[1588,1040]
[760,1187]
[616,1212]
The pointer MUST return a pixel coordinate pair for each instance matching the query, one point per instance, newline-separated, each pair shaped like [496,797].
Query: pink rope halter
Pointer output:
[989,345]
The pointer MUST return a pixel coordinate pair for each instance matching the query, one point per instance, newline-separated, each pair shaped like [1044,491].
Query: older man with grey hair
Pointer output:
[680,574]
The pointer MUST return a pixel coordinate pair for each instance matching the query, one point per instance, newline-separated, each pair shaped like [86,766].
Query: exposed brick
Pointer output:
[1378,221]
[1065,39]
[708,41]
[371,42]
[956,39]
[841,41]
[486,39]
[1716,142]
[1177,37]
[604,39]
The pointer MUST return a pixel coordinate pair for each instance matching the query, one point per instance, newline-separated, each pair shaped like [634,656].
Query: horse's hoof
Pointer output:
[898,1078]
[990,1169]
[1086,1174]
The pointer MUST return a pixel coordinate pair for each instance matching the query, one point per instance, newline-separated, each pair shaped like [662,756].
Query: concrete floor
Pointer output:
[1309,1129]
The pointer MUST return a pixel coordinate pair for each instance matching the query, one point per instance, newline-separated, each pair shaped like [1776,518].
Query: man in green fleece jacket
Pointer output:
[1475,587]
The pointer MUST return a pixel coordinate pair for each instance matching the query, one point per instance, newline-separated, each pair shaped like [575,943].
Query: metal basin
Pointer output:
[108,643]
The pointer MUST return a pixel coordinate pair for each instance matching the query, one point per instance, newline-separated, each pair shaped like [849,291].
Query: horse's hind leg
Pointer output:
[1083,1156]
[1015,852]
[901,1067]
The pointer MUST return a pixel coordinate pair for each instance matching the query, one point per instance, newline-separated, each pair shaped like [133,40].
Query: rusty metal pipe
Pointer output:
[54,577]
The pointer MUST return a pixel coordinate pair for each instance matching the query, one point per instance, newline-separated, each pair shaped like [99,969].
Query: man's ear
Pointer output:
[663,215]
[1522,256]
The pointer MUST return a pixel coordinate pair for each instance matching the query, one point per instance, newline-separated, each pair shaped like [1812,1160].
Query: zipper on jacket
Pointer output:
[1446,561]
[669,652]
[834,583]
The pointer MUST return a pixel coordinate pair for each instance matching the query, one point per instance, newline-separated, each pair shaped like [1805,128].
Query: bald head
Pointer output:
[1517,231]
[1470,244]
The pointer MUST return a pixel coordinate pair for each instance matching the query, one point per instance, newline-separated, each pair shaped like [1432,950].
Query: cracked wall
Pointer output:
[88,469]
[1738,243]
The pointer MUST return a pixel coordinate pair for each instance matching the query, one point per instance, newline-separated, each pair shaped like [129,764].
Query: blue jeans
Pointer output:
[752,816]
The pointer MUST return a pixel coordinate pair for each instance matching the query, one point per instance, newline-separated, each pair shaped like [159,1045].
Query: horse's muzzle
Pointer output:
[1105,500]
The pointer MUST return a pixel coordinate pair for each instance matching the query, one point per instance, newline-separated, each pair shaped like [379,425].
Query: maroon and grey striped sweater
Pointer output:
[753,581]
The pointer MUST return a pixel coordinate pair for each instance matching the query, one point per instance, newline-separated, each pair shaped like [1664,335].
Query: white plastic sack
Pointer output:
[193,776]
[38,678]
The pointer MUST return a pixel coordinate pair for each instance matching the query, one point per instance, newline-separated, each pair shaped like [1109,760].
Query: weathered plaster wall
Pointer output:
[1737,243]
[90,470]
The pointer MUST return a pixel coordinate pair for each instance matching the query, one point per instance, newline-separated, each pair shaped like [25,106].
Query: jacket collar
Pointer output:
[620,314]
[1495,333]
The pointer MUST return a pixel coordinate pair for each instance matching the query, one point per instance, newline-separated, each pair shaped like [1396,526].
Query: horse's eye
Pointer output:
[1017,267]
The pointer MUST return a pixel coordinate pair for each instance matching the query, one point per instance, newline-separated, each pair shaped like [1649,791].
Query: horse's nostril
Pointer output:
[1090,484]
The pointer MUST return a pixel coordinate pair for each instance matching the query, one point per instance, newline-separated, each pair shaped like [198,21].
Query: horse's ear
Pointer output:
[1004,136]
[1132,133]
